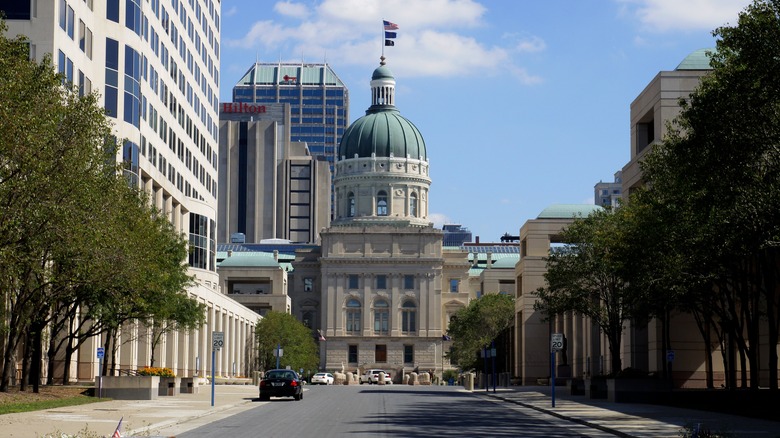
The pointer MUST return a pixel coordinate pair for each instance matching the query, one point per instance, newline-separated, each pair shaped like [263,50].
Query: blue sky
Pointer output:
[522,103]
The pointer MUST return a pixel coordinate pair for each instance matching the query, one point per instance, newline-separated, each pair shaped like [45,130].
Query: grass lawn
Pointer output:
[47,397]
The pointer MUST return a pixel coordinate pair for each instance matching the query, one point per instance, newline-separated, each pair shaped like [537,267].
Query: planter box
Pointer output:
[131,387]
[576,386]
[189,385]
[596,388]
[169,386]
[627,390]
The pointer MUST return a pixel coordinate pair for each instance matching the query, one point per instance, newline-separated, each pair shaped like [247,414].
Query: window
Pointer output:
[381,317]
[454,282]
[308,284]
[381,203]
[17,10]
[308,318]
[351,205]
[63,11]
[380,354]
[71,24]
[409,318]
[112,10]
[353,281]
[408,282]
[352,356]
[413,205]
[381,281]
[408,354]
[353,317]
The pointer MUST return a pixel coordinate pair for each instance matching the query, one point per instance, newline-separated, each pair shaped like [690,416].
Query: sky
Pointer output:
[522,103]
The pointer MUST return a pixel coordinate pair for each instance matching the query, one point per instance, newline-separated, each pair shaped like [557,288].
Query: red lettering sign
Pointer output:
[239,107]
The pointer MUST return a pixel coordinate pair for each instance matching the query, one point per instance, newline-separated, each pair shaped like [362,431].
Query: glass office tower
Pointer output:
[319,101]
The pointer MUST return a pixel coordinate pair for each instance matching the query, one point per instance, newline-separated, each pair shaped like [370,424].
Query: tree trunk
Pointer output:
[25,361]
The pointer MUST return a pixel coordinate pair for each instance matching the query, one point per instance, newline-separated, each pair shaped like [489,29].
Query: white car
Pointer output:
[372,376]
[322,379]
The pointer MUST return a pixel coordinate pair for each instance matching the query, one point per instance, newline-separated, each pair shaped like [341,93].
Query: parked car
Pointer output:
[372,376]
[322,379]
[281,383]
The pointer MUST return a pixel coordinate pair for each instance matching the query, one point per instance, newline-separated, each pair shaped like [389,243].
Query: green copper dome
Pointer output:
[697,60]
[383,131]
[382,72]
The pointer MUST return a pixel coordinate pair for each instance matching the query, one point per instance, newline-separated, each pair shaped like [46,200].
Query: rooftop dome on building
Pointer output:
[697,60]
[568,211]
[383,131]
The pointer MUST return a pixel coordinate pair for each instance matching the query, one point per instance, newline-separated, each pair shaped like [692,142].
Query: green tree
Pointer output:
[474,327]
[717,176]
[589,276]
[51,163]
[278,329]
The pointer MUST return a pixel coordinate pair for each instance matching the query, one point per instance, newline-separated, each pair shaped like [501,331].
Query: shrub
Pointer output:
[152,371]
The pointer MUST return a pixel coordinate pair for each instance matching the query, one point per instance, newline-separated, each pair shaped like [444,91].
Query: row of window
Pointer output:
[381,314]
[380,282]
[380,354]
[381,204]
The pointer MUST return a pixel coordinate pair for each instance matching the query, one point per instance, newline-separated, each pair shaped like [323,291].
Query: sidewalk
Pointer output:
[165,416]
[632,419]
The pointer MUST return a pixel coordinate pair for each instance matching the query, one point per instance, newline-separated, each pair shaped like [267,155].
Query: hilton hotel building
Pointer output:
[155,64]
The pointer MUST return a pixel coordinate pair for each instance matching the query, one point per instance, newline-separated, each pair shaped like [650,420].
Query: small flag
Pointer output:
[118,427]
[390,34]
[389,42]
[389,25]
[322,338]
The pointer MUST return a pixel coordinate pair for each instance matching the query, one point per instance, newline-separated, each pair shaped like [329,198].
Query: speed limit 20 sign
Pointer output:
[557,342]
[218,340]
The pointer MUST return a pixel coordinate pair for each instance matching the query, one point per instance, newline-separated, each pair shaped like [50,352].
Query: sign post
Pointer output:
[101,352]
[556,344]
[217,341]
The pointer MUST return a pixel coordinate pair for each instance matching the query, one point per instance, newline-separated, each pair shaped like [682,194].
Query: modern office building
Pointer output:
[455,234]
[319,101]
[269,187]
[657,105]
[608,194]
[156,67]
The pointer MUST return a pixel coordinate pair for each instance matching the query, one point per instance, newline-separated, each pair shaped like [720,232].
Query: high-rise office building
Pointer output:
[319,101]
[155,65]
[269,187]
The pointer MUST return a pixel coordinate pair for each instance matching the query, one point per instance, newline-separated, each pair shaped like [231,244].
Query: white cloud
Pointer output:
[292,9]
[433,38]
[439,219]
[230,12]
[678,15]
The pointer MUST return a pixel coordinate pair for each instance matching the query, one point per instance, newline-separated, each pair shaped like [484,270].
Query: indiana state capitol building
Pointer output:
[381,263]
[372,288]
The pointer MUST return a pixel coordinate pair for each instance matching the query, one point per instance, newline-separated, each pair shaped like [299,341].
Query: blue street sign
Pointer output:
[101,352]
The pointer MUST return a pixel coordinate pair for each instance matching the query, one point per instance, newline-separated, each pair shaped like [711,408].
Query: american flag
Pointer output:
[116,432]
[389,25]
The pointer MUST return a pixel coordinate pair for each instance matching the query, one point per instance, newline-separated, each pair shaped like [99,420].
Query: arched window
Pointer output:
[353,317]
[413,205]
[351,205]
[409,318]
[381,203]
[381,317]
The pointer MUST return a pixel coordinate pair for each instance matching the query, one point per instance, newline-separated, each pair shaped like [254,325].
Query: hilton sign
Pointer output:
[237,107]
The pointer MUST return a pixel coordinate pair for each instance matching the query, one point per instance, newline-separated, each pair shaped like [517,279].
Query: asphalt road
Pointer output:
[390,411]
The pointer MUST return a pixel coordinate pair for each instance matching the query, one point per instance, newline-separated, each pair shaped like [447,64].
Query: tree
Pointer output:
[589,274]
[474,327]
[717,175]
[51,157]
[278,329]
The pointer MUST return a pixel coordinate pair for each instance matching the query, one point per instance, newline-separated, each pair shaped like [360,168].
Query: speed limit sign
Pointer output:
[218,340]
[557,342]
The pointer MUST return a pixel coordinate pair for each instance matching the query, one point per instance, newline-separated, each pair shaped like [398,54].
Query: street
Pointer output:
[390,411]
